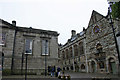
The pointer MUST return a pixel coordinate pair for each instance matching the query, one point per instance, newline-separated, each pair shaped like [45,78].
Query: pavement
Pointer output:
[29,77]
[73,75]
[92,76]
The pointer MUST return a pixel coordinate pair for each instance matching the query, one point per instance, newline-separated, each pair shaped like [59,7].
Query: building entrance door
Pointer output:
[112,66]
[93,67]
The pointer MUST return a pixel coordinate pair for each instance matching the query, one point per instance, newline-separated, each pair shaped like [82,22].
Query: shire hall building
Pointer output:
[40,45]
[93,50]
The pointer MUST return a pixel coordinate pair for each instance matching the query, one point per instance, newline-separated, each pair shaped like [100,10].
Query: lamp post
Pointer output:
[26,67]
[45,57]
[2,60]
[116,43]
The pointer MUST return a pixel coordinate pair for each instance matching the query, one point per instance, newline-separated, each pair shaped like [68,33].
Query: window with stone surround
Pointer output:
[45,47]
[81,50]
[70,50]
[75,50]
[99,48]
[28,45]
[3,39]
[101,64]
[82,66]
[67,53]
[63,55]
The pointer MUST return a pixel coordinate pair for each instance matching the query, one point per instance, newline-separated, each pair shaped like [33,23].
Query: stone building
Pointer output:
[97,52]
[73,52]
[101,50]
[15,42]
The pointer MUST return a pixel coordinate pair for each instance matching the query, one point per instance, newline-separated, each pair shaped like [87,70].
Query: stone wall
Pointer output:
[36,61]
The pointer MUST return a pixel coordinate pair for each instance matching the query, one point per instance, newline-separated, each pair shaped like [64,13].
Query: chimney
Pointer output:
[14,23]
[73,32]
[83,28]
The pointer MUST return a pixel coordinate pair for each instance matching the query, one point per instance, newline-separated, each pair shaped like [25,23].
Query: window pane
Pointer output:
[45,47]
[28,46]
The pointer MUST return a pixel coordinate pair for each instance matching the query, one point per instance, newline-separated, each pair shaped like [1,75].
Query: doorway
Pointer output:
[93,67]
[112,66]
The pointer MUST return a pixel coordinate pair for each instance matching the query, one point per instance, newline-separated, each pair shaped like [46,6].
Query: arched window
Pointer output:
[67,68]
[71,67]
[75,50]
[101,64]
[82,66]
[81,49]
[99,48]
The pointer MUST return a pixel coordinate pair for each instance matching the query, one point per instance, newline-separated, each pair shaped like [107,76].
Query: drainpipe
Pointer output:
[13,53]
[73,58]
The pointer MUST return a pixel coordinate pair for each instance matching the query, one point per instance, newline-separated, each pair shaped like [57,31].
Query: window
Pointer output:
[101,64]
[75,50]
[99,48]
[2,39]
[45,47]
[71,54]
[67,53]
[63,55]
[28,46]
[81,49]
[82,66]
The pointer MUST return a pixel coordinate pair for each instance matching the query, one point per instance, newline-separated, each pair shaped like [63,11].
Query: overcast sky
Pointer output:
[56,15]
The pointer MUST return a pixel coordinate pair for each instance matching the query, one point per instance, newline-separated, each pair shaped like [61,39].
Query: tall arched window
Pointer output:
[99,48]
[67,53]
[75,50]
[81,49]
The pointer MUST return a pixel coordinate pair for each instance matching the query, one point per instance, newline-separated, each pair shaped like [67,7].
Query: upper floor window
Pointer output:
[81,49]
[70,52]
[99,48]
[67,54]
[28,46]
[2,39]
[45,47]
[75,50]
[96,29]
[63,55]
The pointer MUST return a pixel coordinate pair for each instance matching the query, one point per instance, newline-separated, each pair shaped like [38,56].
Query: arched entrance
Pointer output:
[93,67]
[112,66]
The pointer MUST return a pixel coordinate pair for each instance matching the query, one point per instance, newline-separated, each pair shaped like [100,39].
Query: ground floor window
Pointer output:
[71,67]
[101,64]
[82,66]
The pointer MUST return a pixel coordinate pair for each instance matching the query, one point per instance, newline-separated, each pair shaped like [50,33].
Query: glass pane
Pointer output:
[28,46]
[45,47]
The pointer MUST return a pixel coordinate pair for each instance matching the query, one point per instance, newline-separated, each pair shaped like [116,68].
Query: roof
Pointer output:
[26,29]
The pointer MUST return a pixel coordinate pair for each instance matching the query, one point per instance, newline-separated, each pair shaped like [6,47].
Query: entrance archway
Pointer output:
[112,66]
[93,67]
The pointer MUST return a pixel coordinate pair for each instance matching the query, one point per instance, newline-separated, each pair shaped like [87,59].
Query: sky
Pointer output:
[55,15]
